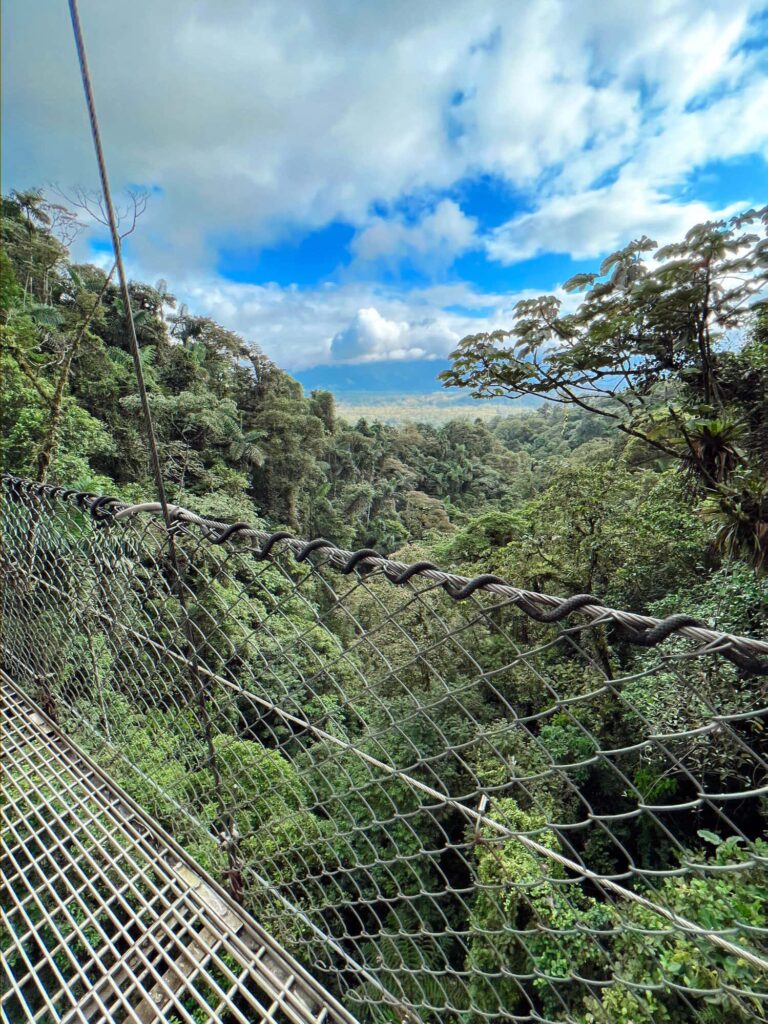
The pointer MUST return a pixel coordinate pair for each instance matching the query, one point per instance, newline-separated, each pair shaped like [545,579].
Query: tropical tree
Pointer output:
[657,349]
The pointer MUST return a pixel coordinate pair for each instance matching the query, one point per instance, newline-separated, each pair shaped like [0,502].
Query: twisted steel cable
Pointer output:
[747,653]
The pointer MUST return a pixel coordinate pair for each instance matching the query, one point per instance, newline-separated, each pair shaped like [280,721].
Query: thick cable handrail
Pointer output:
[643,630]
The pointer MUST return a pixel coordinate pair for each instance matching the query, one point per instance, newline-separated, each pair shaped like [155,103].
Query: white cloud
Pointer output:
[434,240]
[355,322]
[589,223]
[735,124]
[707,102]
[255,118]
[371,336]
[586,222]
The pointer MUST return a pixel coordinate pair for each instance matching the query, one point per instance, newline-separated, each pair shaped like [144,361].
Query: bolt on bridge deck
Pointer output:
[105,918]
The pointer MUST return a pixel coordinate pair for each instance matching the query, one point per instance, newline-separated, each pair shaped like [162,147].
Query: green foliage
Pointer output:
[647,351]
[646,488]
[237,437]
[524,919]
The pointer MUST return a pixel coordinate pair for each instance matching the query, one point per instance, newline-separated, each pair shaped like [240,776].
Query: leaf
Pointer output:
[610,261]
[578,282]
[710,837]
[46,316]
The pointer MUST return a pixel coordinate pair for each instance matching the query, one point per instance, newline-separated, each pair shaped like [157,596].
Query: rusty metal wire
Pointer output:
[450,809]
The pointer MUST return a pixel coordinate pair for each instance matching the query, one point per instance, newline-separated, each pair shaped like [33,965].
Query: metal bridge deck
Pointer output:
[105,918]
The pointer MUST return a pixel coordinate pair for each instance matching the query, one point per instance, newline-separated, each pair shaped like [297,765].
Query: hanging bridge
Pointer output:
[249,778]
[107,918]
[270,780]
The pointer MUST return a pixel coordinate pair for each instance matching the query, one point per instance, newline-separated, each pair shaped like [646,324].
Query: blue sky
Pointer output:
[360,182]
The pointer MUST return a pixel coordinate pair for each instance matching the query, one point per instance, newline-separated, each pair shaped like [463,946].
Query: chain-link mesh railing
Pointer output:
[450,806]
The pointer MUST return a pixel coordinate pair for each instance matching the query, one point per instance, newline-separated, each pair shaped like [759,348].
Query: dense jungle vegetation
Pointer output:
[641,478]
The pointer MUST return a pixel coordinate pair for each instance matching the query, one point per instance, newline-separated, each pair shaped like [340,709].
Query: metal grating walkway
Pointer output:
[105,919]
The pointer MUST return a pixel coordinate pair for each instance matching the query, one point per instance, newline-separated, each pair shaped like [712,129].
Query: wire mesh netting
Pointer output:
[104,920]
[449,810]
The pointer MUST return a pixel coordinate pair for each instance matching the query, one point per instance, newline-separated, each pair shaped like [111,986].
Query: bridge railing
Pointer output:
[454,800]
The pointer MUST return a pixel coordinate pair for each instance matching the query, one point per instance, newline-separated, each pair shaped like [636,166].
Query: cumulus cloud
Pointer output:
[271,115]
[435,239]
[370,337]
[354,322]
[259,119]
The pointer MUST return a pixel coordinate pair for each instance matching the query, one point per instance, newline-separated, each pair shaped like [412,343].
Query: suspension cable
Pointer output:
[199,685]
[117,246]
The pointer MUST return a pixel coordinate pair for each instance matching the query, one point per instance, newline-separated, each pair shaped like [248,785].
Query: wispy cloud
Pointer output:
[586,224]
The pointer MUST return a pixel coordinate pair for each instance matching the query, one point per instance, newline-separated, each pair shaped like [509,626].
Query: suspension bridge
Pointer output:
[253,778]
[319,785]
